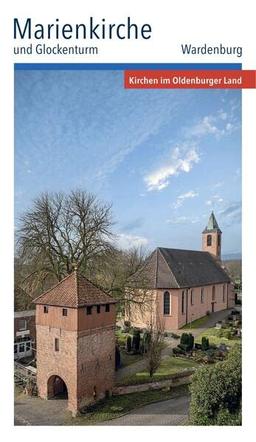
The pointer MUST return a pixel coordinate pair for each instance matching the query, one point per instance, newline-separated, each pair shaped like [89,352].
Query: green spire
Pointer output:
[212,225]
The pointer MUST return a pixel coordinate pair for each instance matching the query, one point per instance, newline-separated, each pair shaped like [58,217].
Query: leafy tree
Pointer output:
[216,392]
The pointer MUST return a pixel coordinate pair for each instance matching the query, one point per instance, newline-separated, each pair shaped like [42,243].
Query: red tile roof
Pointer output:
[74,291]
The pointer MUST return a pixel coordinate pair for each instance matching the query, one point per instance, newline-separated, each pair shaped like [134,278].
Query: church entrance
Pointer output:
[57,388]
[213,307]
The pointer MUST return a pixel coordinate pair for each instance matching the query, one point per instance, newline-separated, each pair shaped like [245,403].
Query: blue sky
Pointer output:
[163,158]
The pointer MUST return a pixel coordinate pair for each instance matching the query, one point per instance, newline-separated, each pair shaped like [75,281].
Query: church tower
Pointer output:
[211,237]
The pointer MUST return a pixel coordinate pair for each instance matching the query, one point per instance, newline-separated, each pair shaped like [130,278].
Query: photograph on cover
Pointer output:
[127,252]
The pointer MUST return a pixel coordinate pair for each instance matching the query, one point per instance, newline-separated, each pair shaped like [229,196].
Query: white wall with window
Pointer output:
[23,349]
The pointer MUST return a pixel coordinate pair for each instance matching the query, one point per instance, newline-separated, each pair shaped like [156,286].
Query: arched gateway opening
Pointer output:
[56,388]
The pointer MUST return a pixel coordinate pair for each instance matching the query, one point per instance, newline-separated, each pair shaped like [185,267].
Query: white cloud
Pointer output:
[127,241]
[182,159]
[219,184]
[180,199]
[223,115]
[183,220]
[215,200]
[219,124]
[204,127]
[231,213]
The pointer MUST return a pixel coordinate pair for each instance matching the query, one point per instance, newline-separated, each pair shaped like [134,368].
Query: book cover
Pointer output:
[127,134]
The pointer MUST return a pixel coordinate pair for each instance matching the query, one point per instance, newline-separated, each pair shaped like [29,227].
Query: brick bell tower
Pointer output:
[75,328]
[211,237]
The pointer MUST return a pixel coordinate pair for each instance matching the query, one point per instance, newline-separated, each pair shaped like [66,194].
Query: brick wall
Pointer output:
[85,360]
[60,363]
[96,364]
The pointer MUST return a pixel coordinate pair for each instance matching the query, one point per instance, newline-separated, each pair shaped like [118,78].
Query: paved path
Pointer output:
[171,412]
[171,343]
[36,411]
[213,318]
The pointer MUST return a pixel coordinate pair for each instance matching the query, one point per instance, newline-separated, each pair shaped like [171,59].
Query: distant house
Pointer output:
[24,333]
[183,285]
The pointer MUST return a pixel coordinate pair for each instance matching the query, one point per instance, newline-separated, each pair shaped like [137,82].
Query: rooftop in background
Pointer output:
[74,291]
[177,268]
[212,225]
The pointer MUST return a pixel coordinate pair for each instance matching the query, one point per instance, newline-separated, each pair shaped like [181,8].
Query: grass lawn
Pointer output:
[196,324]
[118,405]
[211,334]
[128,359]
[121,337]
[169,366]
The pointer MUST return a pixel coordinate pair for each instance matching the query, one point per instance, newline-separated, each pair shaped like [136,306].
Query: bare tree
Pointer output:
[156,345]
[115,271]
[60,231]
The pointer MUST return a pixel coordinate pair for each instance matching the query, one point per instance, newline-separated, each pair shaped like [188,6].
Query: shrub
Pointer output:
[226,334]
[224,417]
[178,351]
[216,392]
[117,358]
[191,339]
[174,336]
[187,341]
[219,333]
[145,342]
[136,340]
[129,343]
[184,347]
[205,343]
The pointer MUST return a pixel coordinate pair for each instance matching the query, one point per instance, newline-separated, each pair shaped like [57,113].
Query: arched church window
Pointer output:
[213,293]
[167,303]
[209,240]
[183,302]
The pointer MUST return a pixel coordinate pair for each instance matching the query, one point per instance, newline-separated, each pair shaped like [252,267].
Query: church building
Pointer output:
[183,285]
[75,331]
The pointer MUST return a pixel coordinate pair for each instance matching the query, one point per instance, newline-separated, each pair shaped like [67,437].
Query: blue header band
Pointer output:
[123,66]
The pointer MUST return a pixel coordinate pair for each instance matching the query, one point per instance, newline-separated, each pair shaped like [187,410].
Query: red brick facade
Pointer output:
[75,345]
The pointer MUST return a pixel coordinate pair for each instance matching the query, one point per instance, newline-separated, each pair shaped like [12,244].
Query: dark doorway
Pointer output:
[57,388]
[212,307]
